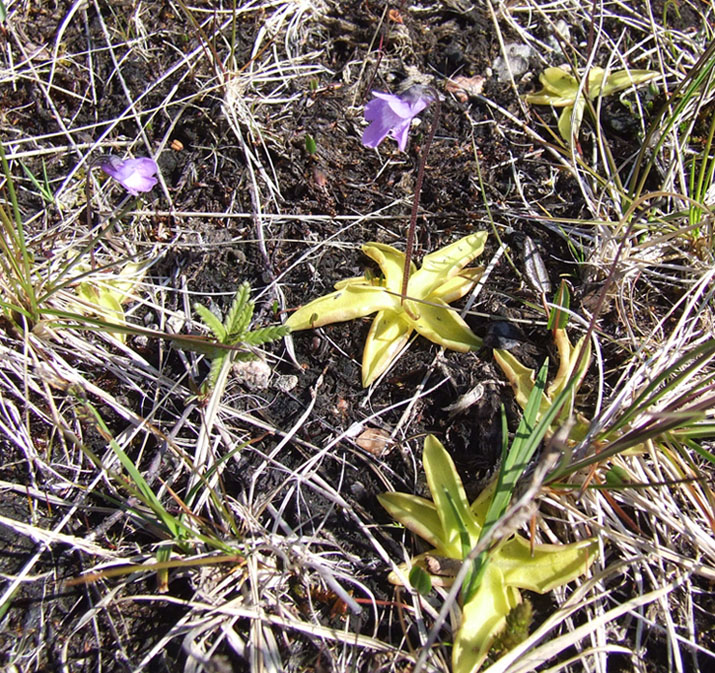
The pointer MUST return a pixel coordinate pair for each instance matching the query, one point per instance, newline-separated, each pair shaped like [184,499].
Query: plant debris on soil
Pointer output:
[281,559]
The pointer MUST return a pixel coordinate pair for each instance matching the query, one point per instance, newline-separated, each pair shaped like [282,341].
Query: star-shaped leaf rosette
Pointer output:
[561,89]
[441,280]
[453,527]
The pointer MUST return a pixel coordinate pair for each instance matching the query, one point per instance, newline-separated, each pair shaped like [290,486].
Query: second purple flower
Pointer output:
[392,115]
[135,175]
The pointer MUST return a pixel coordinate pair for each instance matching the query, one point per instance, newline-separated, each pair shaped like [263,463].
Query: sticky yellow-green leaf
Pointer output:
[521,377]
[104,295]
[550,565]
[448,493]
[444,327]
[353,301]
[391,263]
[482,619]
[388,334]
[522,381]
[103,304]
[439,266]
[458,286]
[568,356]
[123,285]
[417,515]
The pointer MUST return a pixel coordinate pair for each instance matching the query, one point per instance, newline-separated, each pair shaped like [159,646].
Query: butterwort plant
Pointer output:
[561,88]
[453,527]
[135,175]
[392,115]
[441,280]
[403,302]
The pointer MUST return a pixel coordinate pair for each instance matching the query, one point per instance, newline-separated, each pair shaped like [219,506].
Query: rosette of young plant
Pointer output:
[33,288]
[657,417]
[490,594]
[29,281]
[233,333]
[561,89]
[441,280]
[105,297]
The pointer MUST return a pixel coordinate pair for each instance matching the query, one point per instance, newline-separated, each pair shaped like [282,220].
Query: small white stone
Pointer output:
[517,56]
[254,373]
[286,383]
[463,402]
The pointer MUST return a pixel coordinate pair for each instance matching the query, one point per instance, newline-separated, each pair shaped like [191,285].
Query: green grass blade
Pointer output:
[472,579]
[689,363]
[526,441]
[143,488]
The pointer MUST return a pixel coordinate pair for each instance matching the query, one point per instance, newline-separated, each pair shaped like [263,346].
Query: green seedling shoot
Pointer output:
[441,280]
[235,330]
[43,188]
[311,147]
[561,89]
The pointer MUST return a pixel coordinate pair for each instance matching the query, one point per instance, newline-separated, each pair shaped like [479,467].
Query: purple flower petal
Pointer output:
[383,120]
[374,134]
[135,175]
[402,108]
[419,104]
[400,134]
[392,115]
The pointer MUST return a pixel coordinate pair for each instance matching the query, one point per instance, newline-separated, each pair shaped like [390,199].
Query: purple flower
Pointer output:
[392,115]
[135,175]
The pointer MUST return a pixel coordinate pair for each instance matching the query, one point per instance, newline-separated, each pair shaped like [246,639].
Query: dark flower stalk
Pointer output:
[391,115]
[410,243]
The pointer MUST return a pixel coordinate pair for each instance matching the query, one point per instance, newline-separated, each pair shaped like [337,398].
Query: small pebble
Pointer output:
[518,56]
